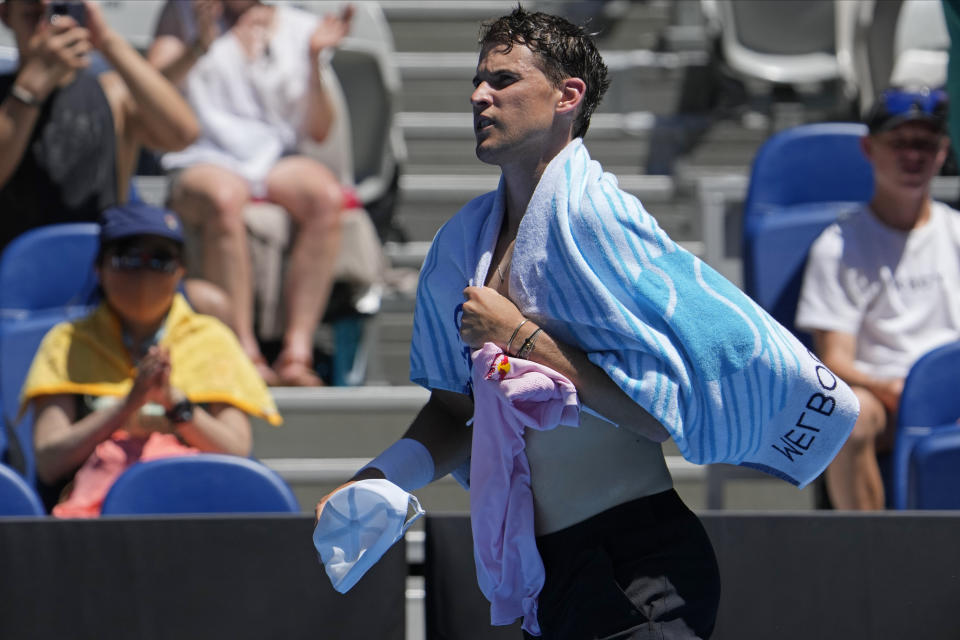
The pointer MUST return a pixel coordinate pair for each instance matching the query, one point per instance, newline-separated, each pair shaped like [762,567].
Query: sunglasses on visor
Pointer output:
[898,102]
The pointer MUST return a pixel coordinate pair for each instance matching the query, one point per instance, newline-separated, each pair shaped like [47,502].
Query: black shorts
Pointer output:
[643,569]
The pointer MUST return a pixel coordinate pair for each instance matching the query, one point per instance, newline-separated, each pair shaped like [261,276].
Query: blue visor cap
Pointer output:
[895,106]
[139,219]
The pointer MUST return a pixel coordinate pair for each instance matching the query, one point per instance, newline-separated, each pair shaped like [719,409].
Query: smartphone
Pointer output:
[75,10]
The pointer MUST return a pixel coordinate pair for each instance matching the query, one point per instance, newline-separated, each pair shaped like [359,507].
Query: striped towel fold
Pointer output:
[594,269]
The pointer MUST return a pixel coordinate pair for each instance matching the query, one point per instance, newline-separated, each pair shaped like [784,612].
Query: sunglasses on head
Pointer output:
[898,101]
[136,259]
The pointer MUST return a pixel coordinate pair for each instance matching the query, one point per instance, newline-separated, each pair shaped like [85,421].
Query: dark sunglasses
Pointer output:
[923,145]
[899,102]
[134,259]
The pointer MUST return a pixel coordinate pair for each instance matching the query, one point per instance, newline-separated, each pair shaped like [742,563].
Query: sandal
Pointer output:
[296,371]
[269,376]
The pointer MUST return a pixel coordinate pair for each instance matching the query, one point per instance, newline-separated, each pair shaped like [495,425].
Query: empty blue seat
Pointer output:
[202,483]
[801,179]
[929,404]
[933,474]
[49,268]
[17,498]
[778,254]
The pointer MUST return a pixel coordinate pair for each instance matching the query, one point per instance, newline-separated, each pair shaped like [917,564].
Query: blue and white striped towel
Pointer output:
[593,268]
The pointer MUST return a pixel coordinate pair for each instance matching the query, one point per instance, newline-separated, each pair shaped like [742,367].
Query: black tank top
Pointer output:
[68,170]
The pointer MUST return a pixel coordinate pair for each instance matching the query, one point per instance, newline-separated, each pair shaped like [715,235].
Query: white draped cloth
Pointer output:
[251,112]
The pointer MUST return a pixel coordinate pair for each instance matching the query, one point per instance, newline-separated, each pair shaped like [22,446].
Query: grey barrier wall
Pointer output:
[810,576]
[819,575]
[830,575]
[185,578]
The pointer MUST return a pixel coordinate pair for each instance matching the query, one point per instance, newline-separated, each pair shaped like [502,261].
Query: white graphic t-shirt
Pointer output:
[898,292]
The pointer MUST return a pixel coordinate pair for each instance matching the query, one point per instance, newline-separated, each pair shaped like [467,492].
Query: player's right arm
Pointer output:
[441,427]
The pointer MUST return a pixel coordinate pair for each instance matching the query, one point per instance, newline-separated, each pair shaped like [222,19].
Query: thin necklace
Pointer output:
[509,260]
[500,269]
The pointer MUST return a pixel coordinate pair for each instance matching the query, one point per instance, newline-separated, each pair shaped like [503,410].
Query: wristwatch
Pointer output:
[24,96]
[181,412]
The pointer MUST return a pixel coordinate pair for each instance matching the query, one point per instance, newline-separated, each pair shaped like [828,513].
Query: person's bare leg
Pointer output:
[209,299]
[853,478]
[214,198]
[313,197]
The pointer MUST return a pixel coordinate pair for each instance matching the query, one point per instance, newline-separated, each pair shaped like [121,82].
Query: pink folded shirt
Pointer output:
[510,395]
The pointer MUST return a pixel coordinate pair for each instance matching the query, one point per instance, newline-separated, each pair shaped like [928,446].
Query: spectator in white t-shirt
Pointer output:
[882,285]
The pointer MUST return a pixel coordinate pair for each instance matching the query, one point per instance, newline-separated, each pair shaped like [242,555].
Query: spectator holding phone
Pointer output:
[69,138]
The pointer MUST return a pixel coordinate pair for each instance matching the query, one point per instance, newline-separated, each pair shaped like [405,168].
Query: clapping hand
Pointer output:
[207,14]
[152,383]
[330,31]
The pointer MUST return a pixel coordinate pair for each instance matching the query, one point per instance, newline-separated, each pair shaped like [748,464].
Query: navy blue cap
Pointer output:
[139,219]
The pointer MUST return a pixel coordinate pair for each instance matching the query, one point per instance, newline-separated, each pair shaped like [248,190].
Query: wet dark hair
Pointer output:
[564,50]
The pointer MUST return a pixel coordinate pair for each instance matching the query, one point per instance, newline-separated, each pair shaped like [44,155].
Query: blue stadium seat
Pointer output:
[17,498]
[49,267]
[778,254]
[202,483]
[929,405]
[46,277]
[8,59]
[801,179]
[934,471]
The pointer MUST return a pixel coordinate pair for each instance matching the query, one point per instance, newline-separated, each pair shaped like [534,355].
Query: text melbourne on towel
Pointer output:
[814,418]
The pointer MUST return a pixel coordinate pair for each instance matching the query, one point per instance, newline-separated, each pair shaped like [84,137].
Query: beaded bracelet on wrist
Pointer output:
[528,345]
